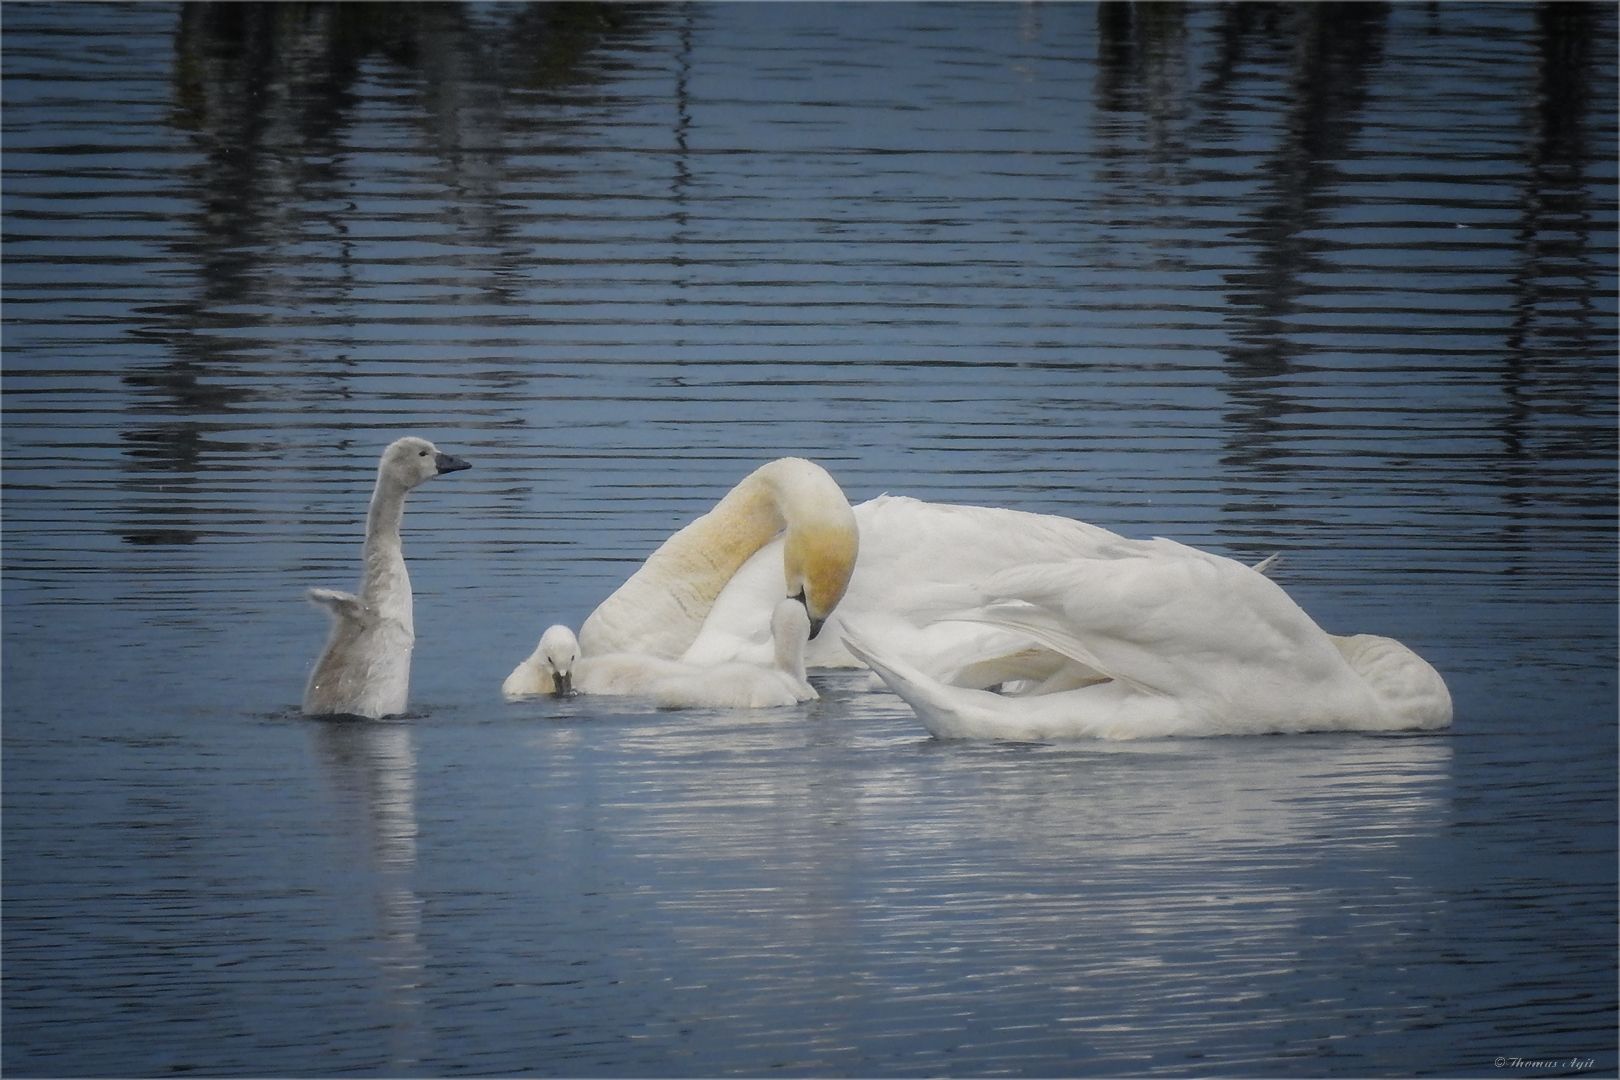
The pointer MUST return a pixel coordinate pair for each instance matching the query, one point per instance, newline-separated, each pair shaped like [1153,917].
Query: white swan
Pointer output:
[913,558]
[661,608]
[556,665]
[1157,639]
[549,669]
[365,669]
[917,567]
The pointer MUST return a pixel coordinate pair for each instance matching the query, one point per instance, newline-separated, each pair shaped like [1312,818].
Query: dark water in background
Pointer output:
[1337,281]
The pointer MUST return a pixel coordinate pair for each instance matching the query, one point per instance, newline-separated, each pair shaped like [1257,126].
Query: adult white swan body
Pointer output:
[556,667]
[1155,639]
[365,669]
[660,610]
[914,558]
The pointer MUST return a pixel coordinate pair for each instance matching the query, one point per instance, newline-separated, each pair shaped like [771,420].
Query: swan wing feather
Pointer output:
[343,606]
[1049,629]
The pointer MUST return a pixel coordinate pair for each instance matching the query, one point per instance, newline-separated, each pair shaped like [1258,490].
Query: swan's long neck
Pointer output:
[662,607]
[385,585]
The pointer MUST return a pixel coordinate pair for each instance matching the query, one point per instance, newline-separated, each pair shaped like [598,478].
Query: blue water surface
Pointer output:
[1335,281]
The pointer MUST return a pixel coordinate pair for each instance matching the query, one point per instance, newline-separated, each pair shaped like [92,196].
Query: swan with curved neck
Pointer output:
[661,608]
[365,669]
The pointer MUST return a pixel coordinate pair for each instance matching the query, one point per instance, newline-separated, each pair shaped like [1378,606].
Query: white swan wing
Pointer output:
[919,561]
[1165,618]
[738,626]
[1106,711]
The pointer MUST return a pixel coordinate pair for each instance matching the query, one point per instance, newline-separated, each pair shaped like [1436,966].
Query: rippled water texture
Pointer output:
[1334,281]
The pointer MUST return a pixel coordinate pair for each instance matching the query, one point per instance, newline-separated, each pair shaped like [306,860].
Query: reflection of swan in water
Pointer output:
[556,665]
[372,769]
[365,669]
[1155,638]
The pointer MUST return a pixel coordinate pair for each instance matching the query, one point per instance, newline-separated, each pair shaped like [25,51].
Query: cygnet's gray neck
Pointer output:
[384,559]
[387,509]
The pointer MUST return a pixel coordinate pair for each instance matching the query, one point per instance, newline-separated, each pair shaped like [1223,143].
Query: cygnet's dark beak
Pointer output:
[563,684]
[446,463]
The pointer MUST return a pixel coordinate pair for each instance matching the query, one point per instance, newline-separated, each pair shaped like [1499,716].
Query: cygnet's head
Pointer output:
[410,460]
[547,670]
[559,651]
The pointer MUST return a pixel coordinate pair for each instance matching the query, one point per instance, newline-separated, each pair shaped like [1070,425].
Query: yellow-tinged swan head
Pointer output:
[821,541]
[817,566]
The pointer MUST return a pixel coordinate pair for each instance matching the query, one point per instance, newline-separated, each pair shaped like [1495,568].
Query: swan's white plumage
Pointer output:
[547,670]
[625,673]
[661,608]
[1090,632]
[1189,644]
[915,560]
[675,683]
[739,684]
[365,668]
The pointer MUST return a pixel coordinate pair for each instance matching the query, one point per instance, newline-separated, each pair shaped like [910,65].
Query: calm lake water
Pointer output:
[1334,281]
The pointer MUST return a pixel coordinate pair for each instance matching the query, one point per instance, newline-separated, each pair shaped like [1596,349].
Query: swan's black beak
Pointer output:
[563,684]
[815,623]
[446,463]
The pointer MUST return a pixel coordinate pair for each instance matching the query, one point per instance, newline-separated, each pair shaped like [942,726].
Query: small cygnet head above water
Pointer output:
[559,649]
[411,460]
[549,669]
